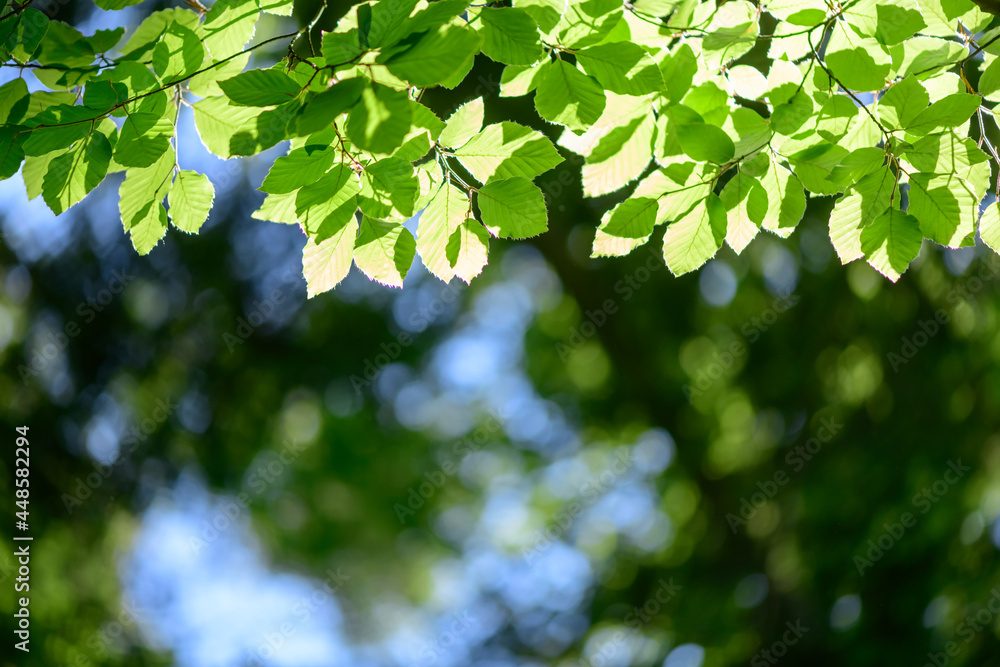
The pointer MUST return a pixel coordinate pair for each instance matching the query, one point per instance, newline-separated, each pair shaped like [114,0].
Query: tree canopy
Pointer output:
[712,120]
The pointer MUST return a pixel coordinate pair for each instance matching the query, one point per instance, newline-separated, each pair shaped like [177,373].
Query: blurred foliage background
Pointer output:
[570,462]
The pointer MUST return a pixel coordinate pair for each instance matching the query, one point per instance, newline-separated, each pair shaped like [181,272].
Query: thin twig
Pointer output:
[14,12]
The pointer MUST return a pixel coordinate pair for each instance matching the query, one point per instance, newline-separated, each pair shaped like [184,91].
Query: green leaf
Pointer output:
[115,4]
[325,263]
[864,161]
[746,203]
[72,175]
[229,25]
[148,228]
[178,54]
[140,202]
[545,12]
[710,101]
[104,95]
[465,123]
[436,56]
[278,208]
[34,169]
[862,203]
[139,81]
[206,84]
[989,227]
[190,200]
[921,53]
[747,82]
[334,196]
[13,101]
[569,97]
[321,110]
[951,111]
[417,142]
[266,130]
[144,138]
[63,44]
[505,150]
[302,166]
[945,152]
[678,69]
[699,140]
[260,88]
[836,117]
[510,36]
[586,22]
[429,18]
[512,208]
[891,242]
[388,189]
[903,103]
[153,26]
[989,82]
[733,31]
[623,68]
[517,81]
[341,47]
[792,112]
[218,122]
[276,7]
[818,167]
[897,23]
[11,151]
[386,22]
[458,76]
[30,28]
[786,200]
[379,122]
[858,63]
[946,207]
[634,218]
[857,70]
[677,188]
[468,250]
[695,237]
[384,251]
[103,41]
[445,213]
[624,147]
[58,127]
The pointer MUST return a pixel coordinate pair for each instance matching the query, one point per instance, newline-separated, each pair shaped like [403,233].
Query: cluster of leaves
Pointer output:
[651,94]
